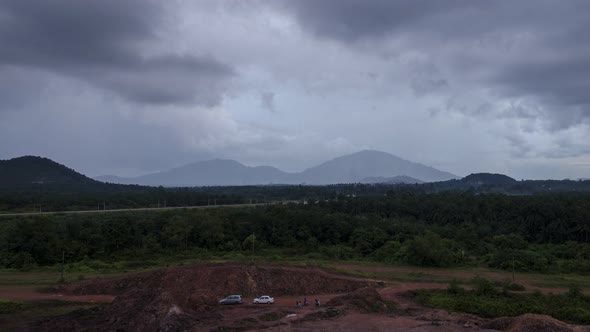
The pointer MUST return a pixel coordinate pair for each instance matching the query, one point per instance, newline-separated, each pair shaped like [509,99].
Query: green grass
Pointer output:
[573,309]
[559,281]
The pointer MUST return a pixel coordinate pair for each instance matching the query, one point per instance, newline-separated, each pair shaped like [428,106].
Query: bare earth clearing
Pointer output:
[186,298]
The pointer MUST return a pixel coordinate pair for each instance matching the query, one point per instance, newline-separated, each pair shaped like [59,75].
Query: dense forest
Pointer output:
[534,233]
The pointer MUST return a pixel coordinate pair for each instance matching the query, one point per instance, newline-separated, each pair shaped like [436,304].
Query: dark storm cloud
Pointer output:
[353,20]
[551,69]
[104,43]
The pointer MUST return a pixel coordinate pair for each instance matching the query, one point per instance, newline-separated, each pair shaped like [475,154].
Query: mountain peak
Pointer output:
[371,163]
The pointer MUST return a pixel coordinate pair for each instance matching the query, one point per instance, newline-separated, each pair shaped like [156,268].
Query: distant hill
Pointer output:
[391,180]
[370,163]
[347,169]
[30,171]
[217,172]
[112,179]
[488,179]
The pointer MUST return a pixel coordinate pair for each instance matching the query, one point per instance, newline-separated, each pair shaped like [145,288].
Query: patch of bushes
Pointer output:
[486,301]
[9,307]
[512,286]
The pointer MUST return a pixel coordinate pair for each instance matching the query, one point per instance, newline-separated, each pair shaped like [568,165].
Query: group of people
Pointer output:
[298,304]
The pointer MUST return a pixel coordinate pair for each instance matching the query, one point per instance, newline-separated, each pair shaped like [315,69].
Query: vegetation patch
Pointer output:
[9,307]
[487,301]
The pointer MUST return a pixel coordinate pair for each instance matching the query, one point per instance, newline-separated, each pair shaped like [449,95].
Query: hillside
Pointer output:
[31,171]
[488,179]
[32,174]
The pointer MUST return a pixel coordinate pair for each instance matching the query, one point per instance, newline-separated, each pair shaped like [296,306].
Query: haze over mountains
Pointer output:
[366,166]
[30,174]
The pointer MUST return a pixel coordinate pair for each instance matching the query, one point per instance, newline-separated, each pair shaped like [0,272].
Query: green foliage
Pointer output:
[509,241]
[454,287]
[390,252]
[337,252]
[430,250]
[250,243]
[9,307]
[484,286]
[508,285]
[574,292]
[531,233]
[497,304]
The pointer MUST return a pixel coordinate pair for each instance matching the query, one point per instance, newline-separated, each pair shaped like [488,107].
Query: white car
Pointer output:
[264,299]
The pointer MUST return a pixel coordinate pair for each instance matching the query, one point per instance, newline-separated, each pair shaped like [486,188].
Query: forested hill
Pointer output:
[31,173]
[488,179]
[31,170]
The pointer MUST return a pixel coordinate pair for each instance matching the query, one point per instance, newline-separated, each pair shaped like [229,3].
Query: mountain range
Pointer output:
[30,175]
[366,166]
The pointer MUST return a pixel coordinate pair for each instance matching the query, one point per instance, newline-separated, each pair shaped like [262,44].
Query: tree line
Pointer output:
[532,233]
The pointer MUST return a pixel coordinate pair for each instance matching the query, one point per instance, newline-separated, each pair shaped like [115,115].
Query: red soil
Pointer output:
[186,298]
[28,293]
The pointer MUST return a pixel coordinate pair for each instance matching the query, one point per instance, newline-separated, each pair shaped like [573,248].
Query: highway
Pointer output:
[138,209]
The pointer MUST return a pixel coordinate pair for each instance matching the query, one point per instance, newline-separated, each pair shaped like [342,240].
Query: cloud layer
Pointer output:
[132,86]
[110,44]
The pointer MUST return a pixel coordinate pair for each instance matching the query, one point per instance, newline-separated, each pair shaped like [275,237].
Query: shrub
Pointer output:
[508,285]
[454,287]
[574,292]
[484,286]
[8,307]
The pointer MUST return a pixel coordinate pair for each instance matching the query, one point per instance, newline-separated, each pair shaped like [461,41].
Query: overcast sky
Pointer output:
[127,87]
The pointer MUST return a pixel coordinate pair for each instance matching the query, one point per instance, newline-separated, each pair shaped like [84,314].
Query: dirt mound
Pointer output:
[220,280]
[528,322]
[181,297]
[325,313]
[110,286]
[365,300]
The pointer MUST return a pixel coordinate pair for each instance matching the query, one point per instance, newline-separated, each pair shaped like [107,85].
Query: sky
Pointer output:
[128,87]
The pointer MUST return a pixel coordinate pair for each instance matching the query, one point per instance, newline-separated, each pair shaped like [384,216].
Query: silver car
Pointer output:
[232,299]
